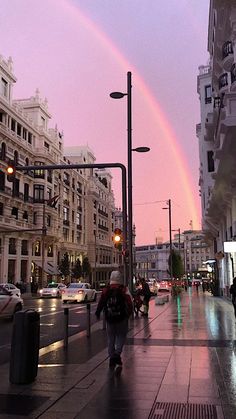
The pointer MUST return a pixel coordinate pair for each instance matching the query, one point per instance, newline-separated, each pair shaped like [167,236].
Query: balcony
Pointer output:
[233,78]
[223,82]
[227,55]
[66,223]
[102,212]
[104,228]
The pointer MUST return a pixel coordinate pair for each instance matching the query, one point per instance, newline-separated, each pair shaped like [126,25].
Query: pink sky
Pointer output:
[77,52]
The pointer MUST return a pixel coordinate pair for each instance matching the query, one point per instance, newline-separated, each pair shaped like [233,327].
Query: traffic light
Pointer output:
[117,238]
[11,172]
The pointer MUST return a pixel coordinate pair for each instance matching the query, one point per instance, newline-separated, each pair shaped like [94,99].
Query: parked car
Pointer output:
[78,292]
[52,290]
[11,287]
[9,303]
[164,286]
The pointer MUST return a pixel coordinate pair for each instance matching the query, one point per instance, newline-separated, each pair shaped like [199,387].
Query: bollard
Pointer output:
[66,324]
[88,319]
[25,347]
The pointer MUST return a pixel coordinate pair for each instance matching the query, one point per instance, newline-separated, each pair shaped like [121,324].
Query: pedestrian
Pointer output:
[116,301]
[232,291]
[146,293]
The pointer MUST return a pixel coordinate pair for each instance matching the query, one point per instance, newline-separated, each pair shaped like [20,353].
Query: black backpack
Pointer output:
[115,307]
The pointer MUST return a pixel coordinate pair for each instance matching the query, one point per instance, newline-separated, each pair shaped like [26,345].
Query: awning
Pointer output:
[49,268]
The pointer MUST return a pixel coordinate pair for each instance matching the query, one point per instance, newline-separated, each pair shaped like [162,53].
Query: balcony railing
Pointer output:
[102,212]
[103,227]
[227,49]
[233,73]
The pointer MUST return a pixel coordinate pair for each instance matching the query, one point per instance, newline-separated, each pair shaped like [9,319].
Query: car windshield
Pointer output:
[3,291]
[76,286]
[52,286]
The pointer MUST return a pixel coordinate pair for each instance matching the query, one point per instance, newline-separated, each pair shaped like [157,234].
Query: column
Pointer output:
[4,264]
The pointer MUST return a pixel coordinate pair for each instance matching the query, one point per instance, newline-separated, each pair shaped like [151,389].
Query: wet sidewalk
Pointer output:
[180,363]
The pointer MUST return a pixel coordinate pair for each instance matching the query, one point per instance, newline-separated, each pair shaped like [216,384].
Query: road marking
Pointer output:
[73,325]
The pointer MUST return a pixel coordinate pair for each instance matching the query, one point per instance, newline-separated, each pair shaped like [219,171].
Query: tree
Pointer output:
[177,264]
[86,267]
[64,265]
[77,270]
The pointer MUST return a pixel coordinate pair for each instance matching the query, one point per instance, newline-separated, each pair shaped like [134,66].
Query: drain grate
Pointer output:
[163,410]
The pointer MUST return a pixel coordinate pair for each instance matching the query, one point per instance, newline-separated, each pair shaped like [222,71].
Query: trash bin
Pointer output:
[24,347]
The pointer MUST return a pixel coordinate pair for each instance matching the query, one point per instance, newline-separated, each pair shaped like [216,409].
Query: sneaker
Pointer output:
[112,362]
[118,369]
[118,360]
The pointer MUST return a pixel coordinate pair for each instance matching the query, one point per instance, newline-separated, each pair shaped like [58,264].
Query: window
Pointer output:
[38,193]
[210,161]
[35,218]
[13,125]
[39,173]
[3,152]
[14,212]
[25,215]
[49,220]
[1,208]
[208,97]
[4,87]
[26,192]
[12,246]
[46,145]
[37,248]
[24,247]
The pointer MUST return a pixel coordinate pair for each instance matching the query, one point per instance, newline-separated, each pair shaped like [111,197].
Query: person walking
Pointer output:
[116,301]
[146,293]
[232,291]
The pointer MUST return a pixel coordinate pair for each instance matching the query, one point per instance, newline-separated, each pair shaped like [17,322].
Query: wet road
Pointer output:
[51,322]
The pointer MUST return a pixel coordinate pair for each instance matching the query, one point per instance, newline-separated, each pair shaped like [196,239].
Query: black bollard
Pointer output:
[88,319]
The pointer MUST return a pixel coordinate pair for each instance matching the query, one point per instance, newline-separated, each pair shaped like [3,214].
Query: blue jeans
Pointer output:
[116,335]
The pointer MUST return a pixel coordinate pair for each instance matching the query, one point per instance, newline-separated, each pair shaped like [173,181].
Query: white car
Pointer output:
[78,292]
[11,287]
[9,303]
[52,290]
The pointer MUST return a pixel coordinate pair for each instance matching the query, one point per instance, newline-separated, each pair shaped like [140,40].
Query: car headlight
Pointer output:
[40,291]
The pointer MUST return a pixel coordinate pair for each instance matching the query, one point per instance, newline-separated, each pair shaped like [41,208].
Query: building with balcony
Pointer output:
[216,135]
[45,214]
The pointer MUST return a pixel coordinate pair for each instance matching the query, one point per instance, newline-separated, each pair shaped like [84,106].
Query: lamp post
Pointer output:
[171,265]
[120,95]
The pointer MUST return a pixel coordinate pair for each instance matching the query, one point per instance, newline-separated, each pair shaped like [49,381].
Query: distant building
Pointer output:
[152,260]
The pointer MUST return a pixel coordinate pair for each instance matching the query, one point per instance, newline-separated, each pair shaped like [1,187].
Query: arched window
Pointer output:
[15,157]
[3,152]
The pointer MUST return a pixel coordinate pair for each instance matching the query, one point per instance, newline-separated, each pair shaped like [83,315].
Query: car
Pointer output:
[153,286]
[164,286]
[78,292]
[11,287]
[53,289]
[10,303]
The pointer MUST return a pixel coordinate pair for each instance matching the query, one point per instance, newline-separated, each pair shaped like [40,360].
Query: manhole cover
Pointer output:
[17,404]
[163,410]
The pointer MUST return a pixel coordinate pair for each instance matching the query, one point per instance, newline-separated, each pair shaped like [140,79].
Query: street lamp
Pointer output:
[171,264]
[120,95]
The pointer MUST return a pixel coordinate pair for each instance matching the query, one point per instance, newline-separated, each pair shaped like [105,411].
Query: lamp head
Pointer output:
[117,95]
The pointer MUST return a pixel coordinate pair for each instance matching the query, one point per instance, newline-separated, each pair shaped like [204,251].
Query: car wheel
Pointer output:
[64,301]
[18,307]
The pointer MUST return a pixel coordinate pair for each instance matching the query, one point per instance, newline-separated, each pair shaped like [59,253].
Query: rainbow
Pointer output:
[153,105]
